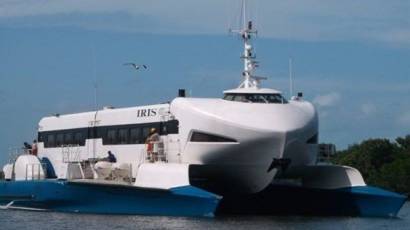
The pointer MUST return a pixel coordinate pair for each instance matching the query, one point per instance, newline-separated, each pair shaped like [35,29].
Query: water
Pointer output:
[13,219]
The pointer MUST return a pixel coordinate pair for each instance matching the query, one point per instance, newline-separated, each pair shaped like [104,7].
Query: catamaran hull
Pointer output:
[66,196]
[365,201]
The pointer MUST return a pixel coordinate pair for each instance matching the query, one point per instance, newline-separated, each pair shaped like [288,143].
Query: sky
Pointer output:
[350,58]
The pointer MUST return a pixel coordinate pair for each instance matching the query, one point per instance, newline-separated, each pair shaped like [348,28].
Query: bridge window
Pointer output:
[256,98]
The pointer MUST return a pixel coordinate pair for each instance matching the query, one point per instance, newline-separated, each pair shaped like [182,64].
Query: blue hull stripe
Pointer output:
[91,198]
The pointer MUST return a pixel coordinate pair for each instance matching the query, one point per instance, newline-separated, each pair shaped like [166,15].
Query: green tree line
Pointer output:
[382,162]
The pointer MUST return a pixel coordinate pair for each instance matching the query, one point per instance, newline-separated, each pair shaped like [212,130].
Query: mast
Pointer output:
[249,62]
[290,78]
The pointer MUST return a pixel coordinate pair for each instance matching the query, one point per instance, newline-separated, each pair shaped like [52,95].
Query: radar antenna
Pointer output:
[250,64]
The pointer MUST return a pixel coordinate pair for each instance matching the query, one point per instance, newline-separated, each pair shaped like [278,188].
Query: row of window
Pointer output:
[256,98]
[111,135]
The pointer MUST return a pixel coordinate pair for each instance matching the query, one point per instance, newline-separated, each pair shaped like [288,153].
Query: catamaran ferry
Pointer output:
[239,148]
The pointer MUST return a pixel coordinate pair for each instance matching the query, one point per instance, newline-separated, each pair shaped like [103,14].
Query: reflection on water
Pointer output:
[13,219]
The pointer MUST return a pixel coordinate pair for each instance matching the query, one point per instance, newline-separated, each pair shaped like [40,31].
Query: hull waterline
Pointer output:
[66,196]
[364,201]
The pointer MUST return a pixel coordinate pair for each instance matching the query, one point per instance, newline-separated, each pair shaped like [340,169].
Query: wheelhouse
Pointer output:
[249,95]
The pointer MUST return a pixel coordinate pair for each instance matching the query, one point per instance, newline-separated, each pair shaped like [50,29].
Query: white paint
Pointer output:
[8,171]
[327,176]
[28,167]
[162,175]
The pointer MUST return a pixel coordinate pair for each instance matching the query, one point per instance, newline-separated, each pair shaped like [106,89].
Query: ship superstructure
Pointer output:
[243,138]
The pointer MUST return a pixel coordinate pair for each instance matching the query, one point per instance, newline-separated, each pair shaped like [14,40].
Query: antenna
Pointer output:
[95,78]
[290,78]
[249,62]
[94,122]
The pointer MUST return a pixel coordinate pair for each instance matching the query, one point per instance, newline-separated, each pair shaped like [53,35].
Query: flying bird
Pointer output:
[137,67]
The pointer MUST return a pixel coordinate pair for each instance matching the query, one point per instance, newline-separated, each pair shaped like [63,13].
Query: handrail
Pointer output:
[69,155]
[14,153]
[40,167]
[157,154]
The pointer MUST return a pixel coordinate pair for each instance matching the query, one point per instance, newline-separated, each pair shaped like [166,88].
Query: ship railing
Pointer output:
[325,153]
[14,153]
[114,172]
[70,153]
[38,171]
[156,153]
[119,177]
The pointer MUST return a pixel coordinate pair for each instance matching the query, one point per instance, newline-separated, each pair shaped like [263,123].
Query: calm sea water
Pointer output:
[13,219]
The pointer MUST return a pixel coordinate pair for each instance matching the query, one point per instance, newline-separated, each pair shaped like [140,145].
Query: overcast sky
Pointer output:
[351,58]
[312,20]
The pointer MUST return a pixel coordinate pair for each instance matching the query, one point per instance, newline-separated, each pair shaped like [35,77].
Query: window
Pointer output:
[79,138]
[41,137]
[50,141]
[59,139]
[111,136]
[123,136]
[256,98]
[68,138]
[135,136]
[145,133]
[204,137]
[172,127]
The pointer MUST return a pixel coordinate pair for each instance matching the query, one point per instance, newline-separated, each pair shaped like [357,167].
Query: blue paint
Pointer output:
[50,173]
[67,196]
[373,201]
[294,200]
[108,199]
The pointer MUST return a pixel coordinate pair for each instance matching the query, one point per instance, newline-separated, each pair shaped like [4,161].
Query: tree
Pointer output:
[396,175]
[404,143]
[368,157]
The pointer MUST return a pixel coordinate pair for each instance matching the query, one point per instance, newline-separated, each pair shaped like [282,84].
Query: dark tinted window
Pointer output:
[135,136]
[59,139]
[111,136]
[123,136]
[172,126]
[68,139]
[79,138]
[256,98]
[204,137]
[145,133]
[50,141]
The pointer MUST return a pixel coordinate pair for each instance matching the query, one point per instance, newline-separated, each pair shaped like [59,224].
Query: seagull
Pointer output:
[137,67]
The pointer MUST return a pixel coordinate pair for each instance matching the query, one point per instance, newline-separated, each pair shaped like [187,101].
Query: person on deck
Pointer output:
[110,158]
[34,149]
[27,148]
[152,137]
